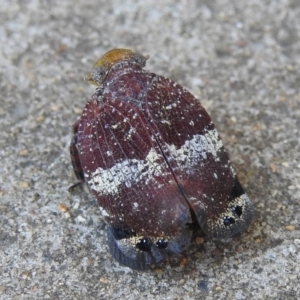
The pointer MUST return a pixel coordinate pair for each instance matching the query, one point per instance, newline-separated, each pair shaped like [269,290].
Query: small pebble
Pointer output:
[63,208]
[290,228]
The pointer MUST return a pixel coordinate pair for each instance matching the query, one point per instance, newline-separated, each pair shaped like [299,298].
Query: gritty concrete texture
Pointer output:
[240,58]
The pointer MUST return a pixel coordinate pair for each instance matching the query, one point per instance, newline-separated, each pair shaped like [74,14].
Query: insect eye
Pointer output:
[162,244]
[98,74]
[228,221]
[238,210]
[144,244]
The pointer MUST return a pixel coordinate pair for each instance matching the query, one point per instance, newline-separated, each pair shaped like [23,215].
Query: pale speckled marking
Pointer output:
[133,240]
[134,171]
[197,148]
[243,200]
[128,172]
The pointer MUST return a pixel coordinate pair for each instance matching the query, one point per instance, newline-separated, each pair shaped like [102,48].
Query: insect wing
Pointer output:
[130,179]
[198,160]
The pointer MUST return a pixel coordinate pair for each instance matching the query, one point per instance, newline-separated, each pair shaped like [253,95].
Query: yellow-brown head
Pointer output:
[111,58]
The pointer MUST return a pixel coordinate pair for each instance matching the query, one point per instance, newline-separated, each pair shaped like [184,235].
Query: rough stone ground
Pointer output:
[240,58]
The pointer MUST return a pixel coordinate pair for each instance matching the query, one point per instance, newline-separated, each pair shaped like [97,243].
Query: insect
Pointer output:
[154,162]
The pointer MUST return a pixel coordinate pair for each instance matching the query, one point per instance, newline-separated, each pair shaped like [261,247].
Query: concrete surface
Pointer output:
[240,58]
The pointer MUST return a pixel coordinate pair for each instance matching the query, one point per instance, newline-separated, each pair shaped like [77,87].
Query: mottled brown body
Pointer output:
[154,162]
